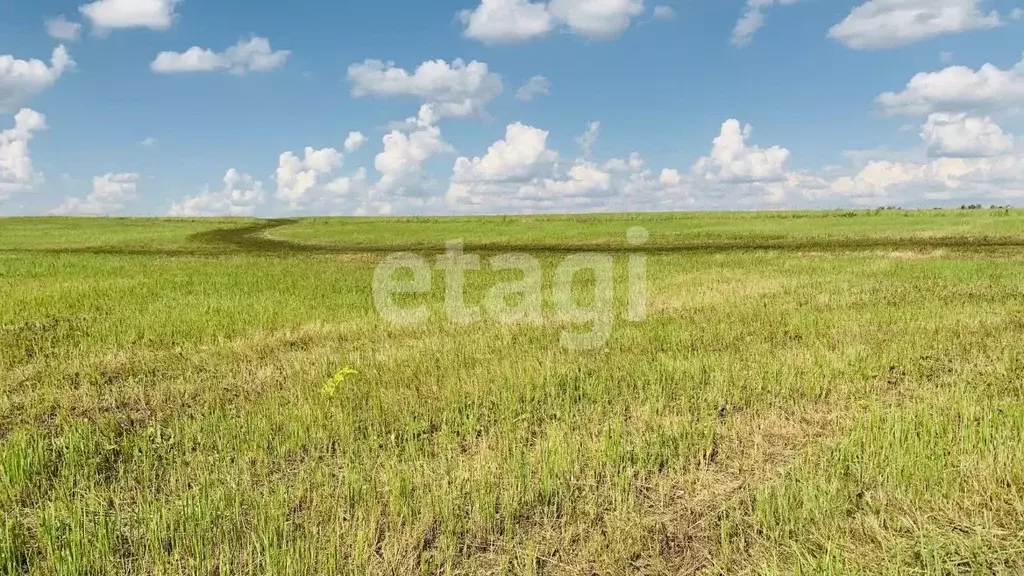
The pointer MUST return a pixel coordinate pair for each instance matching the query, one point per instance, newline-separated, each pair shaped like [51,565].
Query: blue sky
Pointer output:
[202,108]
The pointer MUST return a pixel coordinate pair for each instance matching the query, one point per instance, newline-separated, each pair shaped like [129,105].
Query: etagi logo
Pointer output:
[518,301]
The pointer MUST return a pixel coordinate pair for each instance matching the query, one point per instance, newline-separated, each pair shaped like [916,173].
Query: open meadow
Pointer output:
[809,393]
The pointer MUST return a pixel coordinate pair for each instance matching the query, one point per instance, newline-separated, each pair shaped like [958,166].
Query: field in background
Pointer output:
[667,230]
[827,393]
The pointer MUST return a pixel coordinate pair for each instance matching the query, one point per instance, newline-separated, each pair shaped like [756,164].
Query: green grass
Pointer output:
[672,229]
[98,233]
[831,393]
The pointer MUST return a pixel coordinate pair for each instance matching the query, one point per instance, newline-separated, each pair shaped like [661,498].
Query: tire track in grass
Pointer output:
[253,239]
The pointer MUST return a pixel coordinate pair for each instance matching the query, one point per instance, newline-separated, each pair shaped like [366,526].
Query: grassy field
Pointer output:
[811,393]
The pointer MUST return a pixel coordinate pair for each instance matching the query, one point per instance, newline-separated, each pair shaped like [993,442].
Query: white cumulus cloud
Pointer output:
[110,192]
[354,141]
[521,155]
[299,178]
[507,21]
[60,28]
[309,183]
[752,20]
[106,15]
[892,23]
[963,136]
[535,86]
[973,161]
[940,180]
[347,186]
[253,55]
[498,21]
[17,172]
[20,80]
[195,59]
[596,19]
[583,179]
[520,173]
[401,162]
[587,140]
[458,89]
[958,89]
[239,196]
[733,160]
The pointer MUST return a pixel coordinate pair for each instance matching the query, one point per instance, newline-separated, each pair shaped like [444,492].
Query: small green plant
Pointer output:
[330,388]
